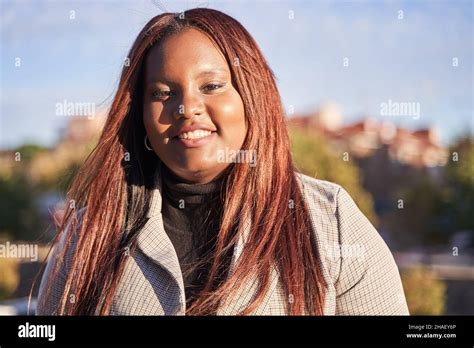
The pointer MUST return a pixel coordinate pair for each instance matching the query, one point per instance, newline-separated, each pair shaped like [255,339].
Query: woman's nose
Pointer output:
[190,105]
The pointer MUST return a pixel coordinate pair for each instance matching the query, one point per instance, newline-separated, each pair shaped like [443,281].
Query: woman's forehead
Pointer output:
[190,52]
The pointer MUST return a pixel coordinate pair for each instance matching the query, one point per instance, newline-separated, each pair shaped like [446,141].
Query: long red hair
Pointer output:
[117,192]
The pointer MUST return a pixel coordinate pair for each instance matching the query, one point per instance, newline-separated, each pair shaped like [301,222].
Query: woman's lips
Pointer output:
[198,142]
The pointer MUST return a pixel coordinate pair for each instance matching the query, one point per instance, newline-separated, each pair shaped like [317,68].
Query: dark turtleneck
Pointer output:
[191,216]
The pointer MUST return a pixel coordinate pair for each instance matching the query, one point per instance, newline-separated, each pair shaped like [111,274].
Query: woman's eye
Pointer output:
[213,86]
[161,94]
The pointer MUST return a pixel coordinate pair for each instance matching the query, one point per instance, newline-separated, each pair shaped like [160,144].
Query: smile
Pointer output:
[197,134]
[196,138]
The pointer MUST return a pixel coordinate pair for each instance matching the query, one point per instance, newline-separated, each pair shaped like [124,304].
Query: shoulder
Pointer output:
[355,259]
[58,267]
[336,218]
[331,201]
[328,201]
[321,192]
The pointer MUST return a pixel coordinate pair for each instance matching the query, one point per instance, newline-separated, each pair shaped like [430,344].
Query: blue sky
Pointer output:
[403,60]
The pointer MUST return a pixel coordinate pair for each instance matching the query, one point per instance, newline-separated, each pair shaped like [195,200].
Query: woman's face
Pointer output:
[192,111]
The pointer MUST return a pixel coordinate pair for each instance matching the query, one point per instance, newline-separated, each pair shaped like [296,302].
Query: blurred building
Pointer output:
[81,130]
[419,149]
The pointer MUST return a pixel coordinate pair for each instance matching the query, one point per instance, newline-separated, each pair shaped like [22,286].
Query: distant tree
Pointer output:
[425,294]
[9,277]
[29,151]
[23,179]
[19,217]
[417,218]
[460,180]
[313,157]
[434,209]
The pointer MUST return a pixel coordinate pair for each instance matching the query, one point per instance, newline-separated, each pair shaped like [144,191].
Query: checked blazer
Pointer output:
[358,268]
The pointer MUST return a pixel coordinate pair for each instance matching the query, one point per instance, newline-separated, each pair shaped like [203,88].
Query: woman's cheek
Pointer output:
[229,117]
[153,123]
[149,118]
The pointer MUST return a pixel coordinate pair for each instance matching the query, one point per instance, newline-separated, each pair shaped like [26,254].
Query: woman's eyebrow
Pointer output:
[212,72]
[154,81]
[204,73]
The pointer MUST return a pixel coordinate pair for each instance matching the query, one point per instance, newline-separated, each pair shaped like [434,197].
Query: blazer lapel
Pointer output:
[155,243]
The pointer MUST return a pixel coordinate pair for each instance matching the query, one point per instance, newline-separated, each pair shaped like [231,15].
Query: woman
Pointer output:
[190,203]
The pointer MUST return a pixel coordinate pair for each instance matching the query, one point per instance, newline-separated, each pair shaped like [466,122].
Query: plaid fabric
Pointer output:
[360,272]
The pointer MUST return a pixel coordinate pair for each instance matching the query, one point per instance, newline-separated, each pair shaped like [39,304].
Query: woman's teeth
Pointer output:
[199,133]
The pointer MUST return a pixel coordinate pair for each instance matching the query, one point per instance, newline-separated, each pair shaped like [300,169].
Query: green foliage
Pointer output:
[9,277]
[28,151]
[37,170]
[436,208]
[422,214]
[313,157]
[19,217]
[460,178]
[425,294]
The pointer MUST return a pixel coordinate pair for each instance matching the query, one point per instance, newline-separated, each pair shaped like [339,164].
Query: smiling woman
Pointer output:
[161,224]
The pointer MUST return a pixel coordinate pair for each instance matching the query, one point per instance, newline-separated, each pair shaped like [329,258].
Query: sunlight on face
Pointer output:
[191,108]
